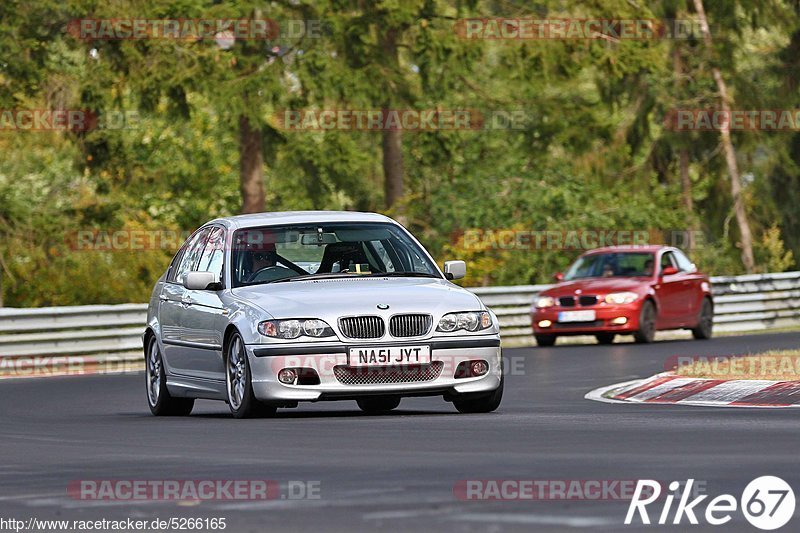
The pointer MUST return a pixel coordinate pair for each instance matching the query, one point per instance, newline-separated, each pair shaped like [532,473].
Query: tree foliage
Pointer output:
[588,149]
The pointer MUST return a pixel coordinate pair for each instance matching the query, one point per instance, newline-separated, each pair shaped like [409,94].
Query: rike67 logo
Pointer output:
[767,503]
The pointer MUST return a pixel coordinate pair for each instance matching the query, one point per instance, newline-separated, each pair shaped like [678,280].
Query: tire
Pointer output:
[480,403]
[239,383]
[605,338]
[705,322]
[545,340]
[647,324]
[159,400]
[378,404]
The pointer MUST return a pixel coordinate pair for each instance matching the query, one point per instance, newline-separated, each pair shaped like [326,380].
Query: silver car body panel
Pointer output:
[190,326]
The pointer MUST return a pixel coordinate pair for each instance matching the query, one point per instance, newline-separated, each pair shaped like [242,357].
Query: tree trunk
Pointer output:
[392,140]
[683,153]
[688,203]
[251,167]
[730,152]
[393,171]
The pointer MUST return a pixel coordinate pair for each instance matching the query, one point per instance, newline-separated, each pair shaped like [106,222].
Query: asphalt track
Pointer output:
[398,472]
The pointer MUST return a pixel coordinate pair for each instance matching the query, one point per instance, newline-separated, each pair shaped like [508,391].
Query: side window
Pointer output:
[192,253]
[683,262]
[214,253]
[667,261]
[173,266]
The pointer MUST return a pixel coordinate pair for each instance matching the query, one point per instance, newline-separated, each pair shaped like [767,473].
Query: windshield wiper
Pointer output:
[402,275]
[325,275]
[328,275]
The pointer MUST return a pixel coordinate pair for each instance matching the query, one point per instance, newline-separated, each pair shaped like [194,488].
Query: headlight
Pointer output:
[470,321]
[618,298]
[294,328]
[545,301]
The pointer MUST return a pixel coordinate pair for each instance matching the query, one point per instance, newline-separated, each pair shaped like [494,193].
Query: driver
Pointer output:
[648,267]
[263,259]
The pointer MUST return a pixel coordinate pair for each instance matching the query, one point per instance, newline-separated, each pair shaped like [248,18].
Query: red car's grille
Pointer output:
[573,325]
[584,301]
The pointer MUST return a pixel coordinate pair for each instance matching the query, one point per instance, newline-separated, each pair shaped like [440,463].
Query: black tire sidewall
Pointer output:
[166,404]
[378,404]
[481,403]
[545,340]
[701,332]
[650,335]
[250,407]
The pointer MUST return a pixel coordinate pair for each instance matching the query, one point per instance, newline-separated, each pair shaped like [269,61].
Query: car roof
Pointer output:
[255,220]
[631,248]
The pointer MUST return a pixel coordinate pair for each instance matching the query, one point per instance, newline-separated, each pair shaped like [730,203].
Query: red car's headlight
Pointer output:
[619,298]
[545,301]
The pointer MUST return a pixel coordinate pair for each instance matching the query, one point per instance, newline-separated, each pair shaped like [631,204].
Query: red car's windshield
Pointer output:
[608,265]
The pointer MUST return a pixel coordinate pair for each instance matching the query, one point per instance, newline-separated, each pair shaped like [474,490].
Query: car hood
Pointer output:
[335,297]
[598,286]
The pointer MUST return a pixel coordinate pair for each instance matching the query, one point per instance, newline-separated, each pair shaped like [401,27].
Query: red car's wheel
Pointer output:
[647,324]
[605,338]
[545,340]
[705,323]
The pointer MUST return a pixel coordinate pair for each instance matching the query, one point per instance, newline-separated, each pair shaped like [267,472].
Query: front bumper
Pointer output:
[602,323]
[267,360]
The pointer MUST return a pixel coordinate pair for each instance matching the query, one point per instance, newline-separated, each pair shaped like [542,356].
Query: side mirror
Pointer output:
[455,269]
[201,281]
[558,276]
[669,271]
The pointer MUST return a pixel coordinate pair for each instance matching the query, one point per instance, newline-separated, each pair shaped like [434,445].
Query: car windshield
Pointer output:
[289,253]
[609,265]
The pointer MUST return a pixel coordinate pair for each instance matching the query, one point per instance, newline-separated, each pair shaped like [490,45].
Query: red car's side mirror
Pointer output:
[558,276]
[669,271]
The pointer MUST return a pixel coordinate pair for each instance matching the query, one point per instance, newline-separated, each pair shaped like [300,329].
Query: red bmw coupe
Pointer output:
[629,290]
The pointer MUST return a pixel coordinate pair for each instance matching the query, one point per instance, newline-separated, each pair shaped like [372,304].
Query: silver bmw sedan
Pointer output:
[267,310]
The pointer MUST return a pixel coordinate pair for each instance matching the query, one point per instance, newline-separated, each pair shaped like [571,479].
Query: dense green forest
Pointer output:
[566,133]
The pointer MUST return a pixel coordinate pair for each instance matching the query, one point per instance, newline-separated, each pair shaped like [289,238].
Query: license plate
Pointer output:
[577,316]
[390,355]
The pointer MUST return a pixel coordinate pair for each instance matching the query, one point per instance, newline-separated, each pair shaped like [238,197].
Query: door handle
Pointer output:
[186,302]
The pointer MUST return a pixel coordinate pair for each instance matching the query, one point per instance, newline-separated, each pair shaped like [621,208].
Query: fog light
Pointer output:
[620,320]
[287,376]
[479,368]
[545,323]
